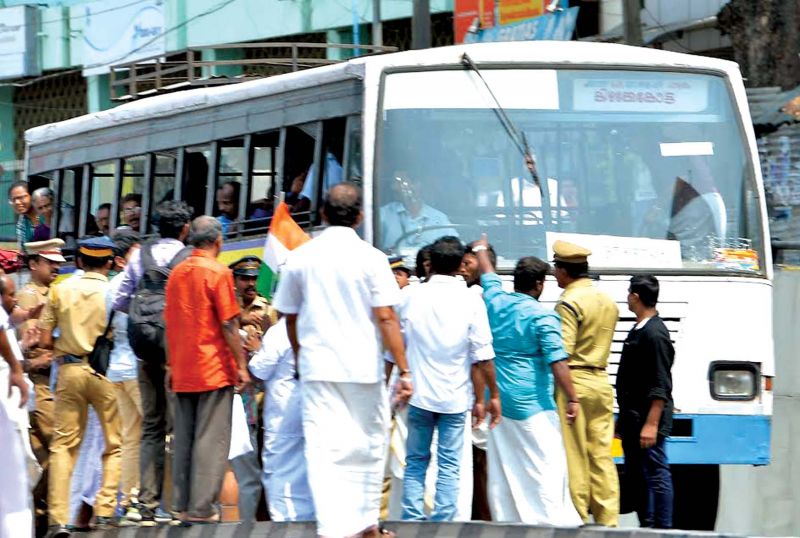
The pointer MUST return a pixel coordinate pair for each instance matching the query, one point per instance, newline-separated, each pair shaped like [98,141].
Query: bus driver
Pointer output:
[411,222]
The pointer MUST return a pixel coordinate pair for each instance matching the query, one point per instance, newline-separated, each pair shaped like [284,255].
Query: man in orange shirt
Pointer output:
[206,361]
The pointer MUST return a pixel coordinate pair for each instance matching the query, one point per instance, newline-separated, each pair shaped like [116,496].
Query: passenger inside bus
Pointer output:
[696,217]
[103,218]
[409,221]
[131,210]
[27,220]
[43,204]
[228,205]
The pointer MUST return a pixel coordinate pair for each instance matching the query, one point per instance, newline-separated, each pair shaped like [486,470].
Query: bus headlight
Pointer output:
[733,380]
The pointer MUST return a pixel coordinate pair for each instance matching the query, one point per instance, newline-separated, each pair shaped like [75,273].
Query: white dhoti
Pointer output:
[527,468]
[16,517]
[345,430]
[285,479]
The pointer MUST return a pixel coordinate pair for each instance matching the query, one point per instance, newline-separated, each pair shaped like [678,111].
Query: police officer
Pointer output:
[588,319]
[257,313]
[44,260]
[401,272]
[77,307]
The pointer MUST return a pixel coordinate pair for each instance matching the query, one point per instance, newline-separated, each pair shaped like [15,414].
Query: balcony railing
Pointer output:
[187,68]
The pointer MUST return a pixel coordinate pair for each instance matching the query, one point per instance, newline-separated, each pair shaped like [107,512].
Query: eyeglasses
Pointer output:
[135,209]
[20,198]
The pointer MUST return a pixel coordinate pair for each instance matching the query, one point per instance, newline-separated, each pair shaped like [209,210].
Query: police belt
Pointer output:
[586,367]
[72,359]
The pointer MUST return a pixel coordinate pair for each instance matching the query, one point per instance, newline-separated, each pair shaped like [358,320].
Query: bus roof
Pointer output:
[561,53]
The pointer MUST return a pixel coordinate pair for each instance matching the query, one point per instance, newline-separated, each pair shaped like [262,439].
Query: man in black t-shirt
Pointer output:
[644,395]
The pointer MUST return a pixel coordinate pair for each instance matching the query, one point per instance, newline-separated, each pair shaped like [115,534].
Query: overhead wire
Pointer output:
[178,26]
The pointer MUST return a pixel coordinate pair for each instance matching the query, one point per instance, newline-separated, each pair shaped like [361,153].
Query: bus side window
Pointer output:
[68,193]
[163,180]
[101,197]
[229,181]
[329,153]
[297,162]
[263,187]
[352,150]
[133,185]
[195,177]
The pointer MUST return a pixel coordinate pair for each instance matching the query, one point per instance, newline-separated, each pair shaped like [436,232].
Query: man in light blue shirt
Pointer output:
[123,372]
[411,222]
[526,458]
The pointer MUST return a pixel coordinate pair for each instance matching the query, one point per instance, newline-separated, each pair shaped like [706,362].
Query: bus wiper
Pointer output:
[517,137]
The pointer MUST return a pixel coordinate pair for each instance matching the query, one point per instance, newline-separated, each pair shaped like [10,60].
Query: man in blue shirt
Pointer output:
[411,222]
[527,462]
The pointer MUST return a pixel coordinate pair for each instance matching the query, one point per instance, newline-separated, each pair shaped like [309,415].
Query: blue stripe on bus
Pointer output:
[722,439]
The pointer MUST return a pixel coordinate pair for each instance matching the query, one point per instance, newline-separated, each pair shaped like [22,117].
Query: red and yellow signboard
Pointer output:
[467,11]
[511,11]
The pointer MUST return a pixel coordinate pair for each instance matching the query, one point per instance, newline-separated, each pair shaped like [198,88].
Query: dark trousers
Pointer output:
[156,424]
[202,438]
[647,473]
[480,493]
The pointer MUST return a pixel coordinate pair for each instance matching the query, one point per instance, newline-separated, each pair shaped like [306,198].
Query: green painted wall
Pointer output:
[7,132]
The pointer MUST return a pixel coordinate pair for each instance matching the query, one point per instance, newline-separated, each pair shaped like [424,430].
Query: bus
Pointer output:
[646,157]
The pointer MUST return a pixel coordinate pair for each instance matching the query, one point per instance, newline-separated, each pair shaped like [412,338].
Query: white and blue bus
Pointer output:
[646,157]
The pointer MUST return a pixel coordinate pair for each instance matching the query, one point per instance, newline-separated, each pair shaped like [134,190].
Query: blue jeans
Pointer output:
[647,472]
[421,424]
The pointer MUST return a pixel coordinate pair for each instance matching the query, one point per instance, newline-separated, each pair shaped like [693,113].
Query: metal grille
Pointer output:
[397,33]
[47,101]
[672,314]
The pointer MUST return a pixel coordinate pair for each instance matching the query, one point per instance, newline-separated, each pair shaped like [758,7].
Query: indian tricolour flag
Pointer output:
[284,235]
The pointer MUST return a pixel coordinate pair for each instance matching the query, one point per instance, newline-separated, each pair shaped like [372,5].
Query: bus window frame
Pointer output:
[86,180]
[118,174]
[213,175]
[763,241]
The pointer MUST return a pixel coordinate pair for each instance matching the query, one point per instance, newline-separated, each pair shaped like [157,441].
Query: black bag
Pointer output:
[146,310]
[101,354]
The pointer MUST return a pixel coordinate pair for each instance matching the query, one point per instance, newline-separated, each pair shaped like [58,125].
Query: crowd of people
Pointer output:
[448,399]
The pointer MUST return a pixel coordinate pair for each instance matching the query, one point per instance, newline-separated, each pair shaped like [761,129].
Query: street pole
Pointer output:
[421,25]
[632,12]
[377,25]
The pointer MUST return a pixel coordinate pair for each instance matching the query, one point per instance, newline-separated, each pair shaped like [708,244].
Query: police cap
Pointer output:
[397,262]
[97,247]
[566,252]
[247,266]
[49,250]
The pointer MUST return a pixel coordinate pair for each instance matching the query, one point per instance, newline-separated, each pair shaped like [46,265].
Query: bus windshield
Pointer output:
[647,169]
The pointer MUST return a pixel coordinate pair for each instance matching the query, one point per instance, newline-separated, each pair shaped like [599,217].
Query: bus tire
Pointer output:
[696,496]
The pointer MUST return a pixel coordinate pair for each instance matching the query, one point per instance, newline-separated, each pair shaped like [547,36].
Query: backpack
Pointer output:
[146,310]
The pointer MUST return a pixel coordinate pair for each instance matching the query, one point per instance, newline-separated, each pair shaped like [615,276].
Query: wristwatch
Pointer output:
[404,372]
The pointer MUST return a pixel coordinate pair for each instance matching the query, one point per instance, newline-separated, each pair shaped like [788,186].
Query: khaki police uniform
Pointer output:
[588,319]
[77,308]
[30,296]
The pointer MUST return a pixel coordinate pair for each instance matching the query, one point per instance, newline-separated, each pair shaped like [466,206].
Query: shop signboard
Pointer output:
[466,13]
[18,43]
[119,31]
[557,26]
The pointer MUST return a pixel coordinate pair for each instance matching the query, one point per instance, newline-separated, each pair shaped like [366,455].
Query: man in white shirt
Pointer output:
[448,337]
[337,293]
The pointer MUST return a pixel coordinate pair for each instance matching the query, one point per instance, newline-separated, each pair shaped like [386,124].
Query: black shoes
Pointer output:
[59,531]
